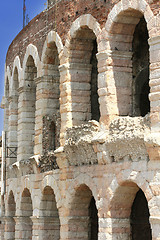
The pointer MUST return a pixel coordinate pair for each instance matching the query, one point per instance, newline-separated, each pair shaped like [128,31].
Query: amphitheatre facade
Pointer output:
[82,122]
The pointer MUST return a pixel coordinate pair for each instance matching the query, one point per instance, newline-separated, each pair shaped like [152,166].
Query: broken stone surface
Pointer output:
[125,140]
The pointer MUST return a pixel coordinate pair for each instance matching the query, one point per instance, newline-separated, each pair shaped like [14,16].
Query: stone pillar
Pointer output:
[9,233]
[45,228]
[47,103]
[13,122]
[75,91]
[155,83]
[23,228]
[114,228]
[26,123]
[155,226]
[2,228]
[114,84]
[73,227]
[153,146]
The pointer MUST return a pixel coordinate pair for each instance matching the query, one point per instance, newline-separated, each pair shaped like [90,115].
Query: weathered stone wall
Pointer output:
[69,86]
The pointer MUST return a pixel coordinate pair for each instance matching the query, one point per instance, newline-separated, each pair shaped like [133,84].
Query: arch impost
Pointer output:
[12,97]
[42,219]
[19,219]
[63,67]
[154,96]
[154,82]
[24,89]
[114,54]
[44,78]
[8,218]
[154,220]
[80,66]
[154,42]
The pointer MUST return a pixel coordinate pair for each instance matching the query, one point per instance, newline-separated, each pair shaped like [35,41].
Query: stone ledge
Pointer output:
[127,139]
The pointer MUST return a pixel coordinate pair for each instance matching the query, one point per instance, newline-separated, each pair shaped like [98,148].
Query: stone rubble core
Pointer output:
[125,140]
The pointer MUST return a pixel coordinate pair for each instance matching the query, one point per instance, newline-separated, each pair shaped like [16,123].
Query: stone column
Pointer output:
[47,103]
[9,233]
[26,123]
[75,91]
[154,96]
[114,84]
[155,83]
[114,228]
[45,228]
[23,228]
[155,226]
[13,122]
[2,228]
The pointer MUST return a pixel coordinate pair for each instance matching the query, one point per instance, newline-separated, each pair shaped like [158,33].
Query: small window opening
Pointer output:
[52,136]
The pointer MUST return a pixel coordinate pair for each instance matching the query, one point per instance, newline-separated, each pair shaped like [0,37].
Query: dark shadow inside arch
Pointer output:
[93,216]
[140,69]
[129,213]
[139,218]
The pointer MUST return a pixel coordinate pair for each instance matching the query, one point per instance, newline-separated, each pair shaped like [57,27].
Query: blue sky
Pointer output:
[11,22]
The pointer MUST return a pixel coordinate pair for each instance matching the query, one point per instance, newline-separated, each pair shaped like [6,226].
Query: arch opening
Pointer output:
[84,74]
[26,214]
[130,213]
[51,93]
[84,215]
[49,215]
[129,49]
[27,109]
[140,61]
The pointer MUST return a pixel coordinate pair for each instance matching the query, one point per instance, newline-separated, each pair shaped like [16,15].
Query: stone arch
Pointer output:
[16,65]
[33,52]
[80,68]
[52,37]
[26,211]
[49,91]
[83,179]
[11,188]
[123,211]
[140,5]
[120,29]
[84,20]
[50,181]
[7,82]
[49,215]
[83,214]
